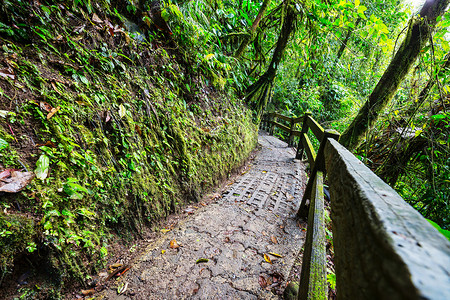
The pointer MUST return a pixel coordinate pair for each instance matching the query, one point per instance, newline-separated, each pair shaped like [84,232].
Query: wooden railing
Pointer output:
[384,249]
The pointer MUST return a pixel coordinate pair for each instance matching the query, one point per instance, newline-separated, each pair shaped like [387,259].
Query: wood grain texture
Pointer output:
[313,282]
[384,249]
[316,128]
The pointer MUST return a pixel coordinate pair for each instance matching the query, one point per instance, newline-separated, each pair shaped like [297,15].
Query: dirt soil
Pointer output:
[241,243]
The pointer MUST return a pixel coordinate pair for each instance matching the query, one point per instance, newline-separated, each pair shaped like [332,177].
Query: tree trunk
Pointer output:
[248,38]
[419,32]
[345,41]
[258,93]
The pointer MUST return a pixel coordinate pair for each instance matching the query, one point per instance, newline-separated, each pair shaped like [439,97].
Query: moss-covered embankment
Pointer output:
[135,134]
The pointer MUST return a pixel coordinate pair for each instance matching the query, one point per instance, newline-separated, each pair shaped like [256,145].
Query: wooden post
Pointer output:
[274,119]
[313,279]
[291,135]
[319,165]
[304,130]
[263,123]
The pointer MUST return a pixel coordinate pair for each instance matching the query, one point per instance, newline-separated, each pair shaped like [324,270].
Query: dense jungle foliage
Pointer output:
[124,110]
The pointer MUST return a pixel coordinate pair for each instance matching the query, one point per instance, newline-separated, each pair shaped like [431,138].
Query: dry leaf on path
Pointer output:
[174,244]
[189,210]
[267,258]
[13,181]
[115,266]
[275,254]
[273,239]
[88,292]
[262,281]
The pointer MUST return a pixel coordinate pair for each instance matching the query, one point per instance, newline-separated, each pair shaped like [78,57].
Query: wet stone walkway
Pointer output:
[223,245]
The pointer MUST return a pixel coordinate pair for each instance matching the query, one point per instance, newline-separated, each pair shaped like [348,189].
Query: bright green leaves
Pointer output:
[42,167]
[3,144]
[361,9]
[171,10]
[73,189]
[439,117]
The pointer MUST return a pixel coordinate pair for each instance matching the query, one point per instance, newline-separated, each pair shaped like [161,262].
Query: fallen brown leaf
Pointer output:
[5,174]
[275,254]
[189,210]
[267,258]
[174,244]
[54,87]
[52,112]
[45,106]
[273,239]
[7,73]
[88,292]
[262,281]
[96,19]
[13,181]
[138,129]
[115,266]
[47,144]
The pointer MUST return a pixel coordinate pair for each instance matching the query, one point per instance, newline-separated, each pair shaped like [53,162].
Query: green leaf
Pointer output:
[3,144]
[73,189]
[438,117]
[444,232]
[361,9]
[42,166]
[357,2]
[122,111]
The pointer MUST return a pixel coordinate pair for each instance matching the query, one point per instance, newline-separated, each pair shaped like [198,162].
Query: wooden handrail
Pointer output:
[384,249]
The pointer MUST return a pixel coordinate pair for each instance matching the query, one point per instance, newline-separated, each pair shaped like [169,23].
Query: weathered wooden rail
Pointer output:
[384,249]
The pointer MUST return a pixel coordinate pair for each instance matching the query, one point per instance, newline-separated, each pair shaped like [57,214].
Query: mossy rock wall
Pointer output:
[135,136]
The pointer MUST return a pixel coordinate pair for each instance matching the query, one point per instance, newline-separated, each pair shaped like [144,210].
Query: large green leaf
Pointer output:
[42,166]
[3,144]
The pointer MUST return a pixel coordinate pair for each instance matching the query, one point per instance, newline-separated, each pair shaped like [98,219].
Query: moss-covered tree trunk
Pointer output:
[248,38]
[258,93]
[419,32]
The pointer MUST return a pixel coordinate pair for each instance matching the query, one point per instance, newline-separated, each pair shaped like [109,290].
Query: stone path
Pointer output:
[254,216]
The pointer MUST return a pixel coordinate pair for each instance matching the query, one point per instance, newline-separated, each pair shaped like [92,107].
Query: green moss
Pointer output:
[128,151]
[16,234]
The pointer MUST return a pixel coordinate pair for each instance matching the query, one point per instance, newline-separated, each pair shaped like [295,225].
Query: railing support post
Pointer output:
[264,122]
[274,119]
[313,279]
[319,165]
[291,133]
[299,153]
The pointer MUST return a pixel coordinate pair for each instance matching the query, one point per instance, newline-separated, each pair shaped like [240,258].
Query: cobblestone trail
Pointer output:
[254,216]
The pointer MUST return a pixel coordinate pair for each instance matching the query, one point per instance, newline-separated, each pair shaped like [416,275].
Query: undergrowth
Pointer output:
[119,129]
